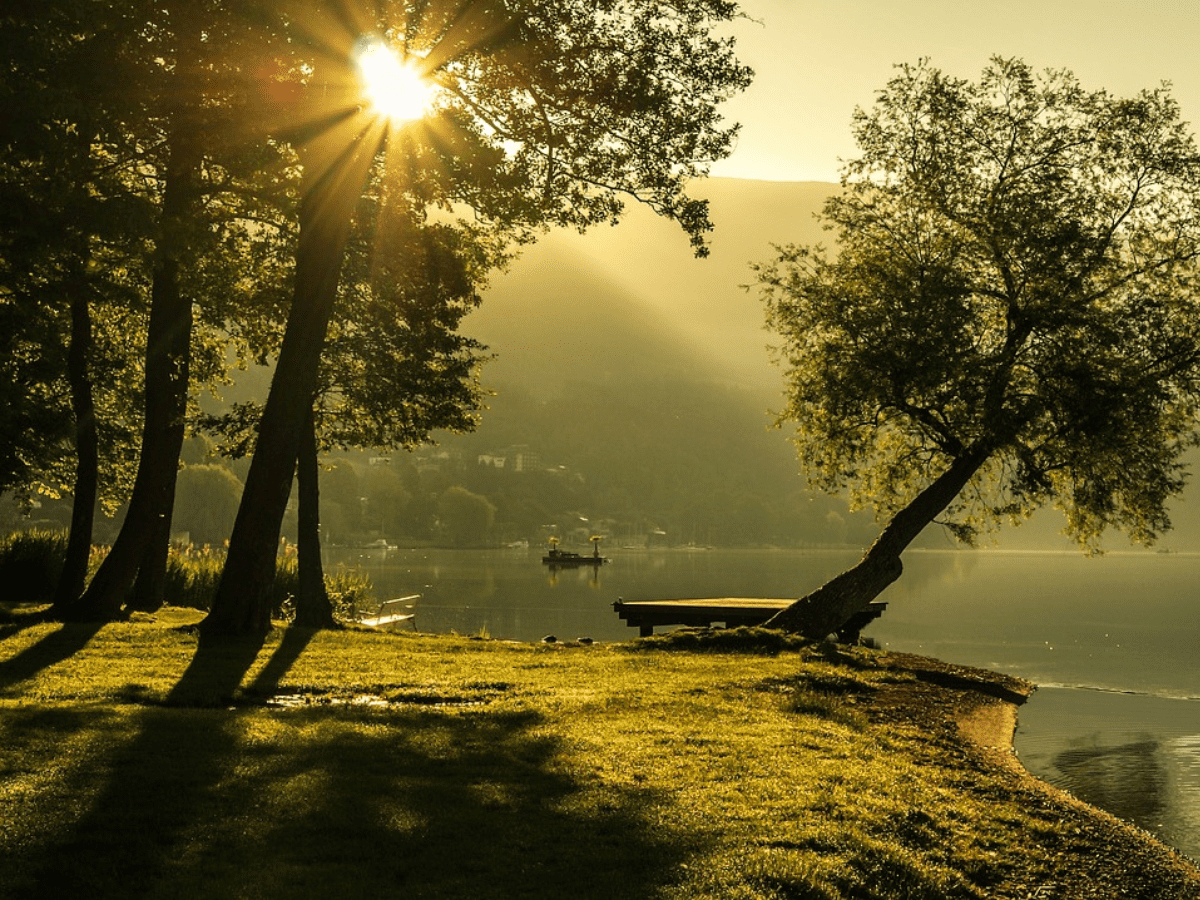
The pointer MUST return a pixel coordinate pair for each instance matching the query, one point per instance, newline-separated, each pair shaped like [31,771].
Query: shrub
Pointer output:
[30,563]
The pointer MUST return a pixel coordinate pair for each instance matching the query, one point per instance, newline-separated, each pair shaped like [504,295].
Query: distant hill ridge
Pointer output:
[625,304]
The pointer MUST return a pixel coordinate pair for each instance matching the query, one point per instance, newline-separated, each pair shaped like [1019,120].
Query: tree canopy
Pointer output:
[548,112]
[1010,318]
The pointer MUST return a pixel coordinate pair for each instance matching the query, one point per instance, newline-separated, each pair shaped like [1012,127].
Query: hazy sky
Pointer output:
[816,60]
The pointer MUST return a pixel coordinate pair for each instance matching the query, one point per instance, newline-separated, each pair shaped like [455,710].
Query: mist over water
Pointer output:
[1111,641]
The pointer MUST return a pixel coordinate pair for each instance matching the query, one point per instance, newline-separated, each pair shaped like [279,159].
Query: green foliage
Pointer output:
[74,228]
[466,517]
[30,562]
[1014,290]
[206,501]
[193,576]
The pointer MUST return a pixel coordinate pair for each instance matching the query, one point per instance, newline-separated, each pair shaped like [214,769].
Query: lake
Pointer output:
[1111,641]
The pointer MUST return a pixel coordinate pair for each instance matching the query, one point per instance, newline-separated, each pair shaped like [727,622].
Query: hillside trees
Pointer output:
[1011,318]
[549,112]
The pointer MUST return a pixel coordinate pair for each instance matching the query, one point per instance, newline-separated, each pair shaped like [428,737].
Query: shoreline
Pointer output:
[986,718]
[753,762]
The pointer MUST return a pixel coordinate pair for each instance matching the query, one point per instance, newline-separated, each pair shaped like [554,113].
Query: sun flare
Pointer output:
[396,90]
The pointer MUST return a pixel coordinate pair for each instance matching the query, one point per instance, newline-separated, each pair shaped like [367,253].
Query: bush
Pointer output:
[30,564]
[193,576]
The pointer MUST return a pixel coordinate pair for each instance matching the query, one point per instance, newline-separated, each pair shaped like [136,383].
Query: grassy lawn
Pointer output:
[348,764]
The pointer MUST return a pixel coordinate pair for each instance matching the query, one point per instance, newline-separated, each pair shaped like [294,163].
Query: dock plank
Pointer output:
[732,612]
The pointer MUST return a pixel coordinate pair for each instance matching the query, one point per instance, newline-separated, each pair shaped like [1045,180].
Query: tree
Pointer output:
[466,517]
[206,501]
[72,237]
[549,112]
[193,57]
[394,366]
[1011,318]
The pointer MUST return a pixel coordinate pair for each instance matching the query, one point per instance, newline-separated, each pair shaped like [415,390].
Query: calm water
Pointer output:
[1113,642]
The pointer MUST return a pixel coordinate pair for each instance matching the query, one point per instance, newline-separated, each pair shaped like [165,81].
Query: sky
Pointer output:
[816,60]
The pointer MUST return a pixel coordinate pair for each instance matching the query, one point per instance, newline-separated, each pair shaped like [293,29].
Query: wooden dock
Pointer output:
[731,612]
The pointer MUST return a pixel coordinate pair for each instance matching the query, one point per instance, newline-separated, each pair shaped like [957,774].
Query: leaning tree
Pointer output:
[547,112]
[1010,318]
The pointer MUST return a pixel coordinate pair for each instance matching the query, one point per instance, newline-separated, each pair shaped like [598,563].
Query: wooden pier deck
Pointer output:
[731,612]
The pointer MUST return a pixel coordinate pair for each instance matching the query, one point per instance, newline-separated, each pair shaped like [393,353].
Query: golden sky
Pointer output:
[816,60]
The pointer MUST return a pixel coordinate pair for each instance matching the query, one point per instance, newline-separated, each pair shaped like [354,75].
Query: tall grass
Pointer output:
[30,563]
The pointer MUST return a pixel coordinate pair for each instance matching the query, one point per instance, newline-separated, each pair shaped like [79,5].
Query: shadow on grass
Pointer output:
[291,645]
[215,673]
[55,647]
[322,802]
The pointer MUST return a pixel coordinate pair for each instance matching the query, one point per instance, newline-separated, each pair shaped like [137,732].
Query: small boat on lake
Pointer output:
[556,558]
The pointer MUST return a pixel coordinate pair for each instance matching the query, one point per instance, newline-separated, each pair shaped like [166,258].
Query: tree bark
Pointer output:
[87,455]
[149,588]
[313,609]
[829,607]
[242,606]
[168,361]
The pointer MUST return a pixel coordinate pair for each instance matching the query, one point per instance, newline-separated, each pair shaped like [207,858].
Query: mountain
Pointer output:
[610,312]
[627,304]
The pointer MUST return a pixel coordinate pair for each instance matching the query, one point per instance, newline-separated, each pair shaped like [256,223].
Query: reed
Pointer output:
[33,560]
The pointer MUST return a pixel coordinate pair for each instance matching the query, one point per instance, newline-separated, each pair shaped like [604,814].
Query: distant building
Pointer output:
[518,458]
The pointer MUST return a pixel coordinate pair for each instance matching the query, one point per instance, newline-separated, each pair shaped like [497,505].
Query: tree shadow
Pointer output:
[291,645]
[215,673]
[204,802]
[54,648]
[147,790]
[435,804]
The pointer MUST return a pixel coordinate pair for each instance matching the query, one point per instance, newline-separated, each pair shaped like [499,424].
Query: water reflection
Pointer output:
[1136,756]
[1127,780]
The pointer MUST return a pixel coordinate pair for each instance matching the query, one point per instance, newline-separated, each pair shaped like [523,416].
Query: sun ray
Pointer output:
[397,90]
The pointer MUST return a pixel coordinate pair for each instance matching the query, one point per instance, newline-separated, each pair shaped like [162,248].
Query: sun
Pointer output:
[396,90]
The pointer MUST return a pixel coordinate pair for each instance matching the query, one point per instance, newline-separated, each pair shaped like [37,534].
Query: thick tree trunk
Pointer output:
[313,609]
[87,456]
[242,605]
[829,607]
[149,589]
[168,359]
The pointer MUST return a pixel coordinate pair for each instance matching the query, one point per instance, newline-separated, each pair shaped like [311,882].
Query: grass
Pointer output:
[354,763]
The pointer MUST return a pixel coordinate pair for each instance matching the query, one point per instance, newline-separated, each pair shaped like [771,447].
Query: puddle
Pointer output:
[473,695]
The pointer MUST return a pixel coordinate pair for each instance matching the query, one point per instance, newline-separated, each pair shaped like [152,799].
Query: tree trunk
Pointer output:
[149,589]
[168,359]
[243,605]
[313,609]
[829,607]
[87,455]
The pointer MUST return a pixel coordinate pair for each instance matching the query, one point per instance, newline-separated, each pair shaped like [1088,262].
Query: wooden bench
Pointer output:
[392,611]
[731,612]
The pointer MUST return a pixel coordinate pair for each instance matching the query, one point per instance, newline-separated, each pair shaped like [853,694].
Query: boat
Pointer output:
[380,544]
[556,558]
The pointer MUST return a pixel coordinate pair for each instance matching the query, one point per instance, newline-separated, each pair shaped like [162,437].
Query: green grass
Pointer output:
[360,764]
